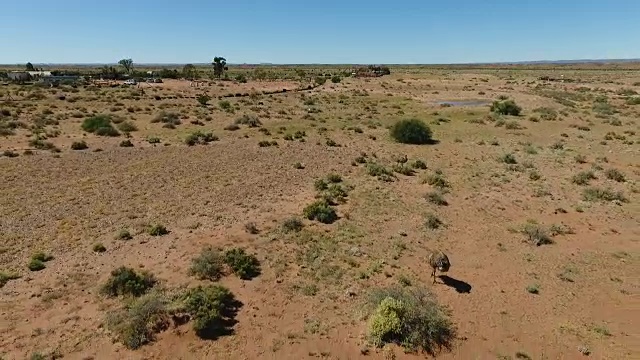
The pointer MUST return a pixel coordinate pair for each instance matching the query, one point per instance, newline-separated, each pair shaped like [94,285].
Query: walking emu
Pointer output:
[438,260]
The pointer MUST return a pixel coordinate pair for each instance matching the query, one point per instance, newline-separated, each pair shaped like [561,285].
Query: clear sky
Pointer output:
[328,31]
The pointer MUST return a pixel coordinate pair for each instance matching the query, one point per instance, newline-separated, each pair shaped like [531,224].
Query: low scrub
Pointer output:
[157,230]
[212,309]
[320,211]
[245,266]
[209,265]
[603,194]
[583,177]
[436,198]
[168,118]
[5,277]
[615,175]
[506,107]
[537,234]
[249,120]
[409,317]
[139,322]
[292,224]
[199,137]
[79,145]
[100,125]
[125,281]
[412,131]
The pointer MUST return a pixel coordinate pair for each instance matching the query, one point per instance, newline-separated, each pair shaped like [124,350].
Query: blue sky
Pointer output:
[329,31]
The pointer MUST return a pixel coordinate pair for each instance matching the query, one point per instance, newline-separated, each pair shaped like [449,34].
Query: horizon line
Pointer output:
[519,62]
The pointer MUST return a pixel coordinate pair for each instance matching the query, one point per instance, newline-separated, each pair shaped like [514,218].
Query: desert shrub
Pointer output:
[436,198]
[419,164]
[157,230]
[411,131]
[126,143]
[251,228]
[251,121]
[506,107]
[298,165]
[321,211]
[320,185]
[137,324]
[203,99]
[79,145]
[633,100]
[5,277]
[212,309]
[99,248]
[225,105]
[232,127]
[38,261]
[332,143]
[320,80]
[603,108]
[10,154]
[583,177]
[336,79]
[512,125]
[546,114]
[409,317]
[209,265]
[127,127]
[580,159]
[245,266]
[334,178]
[537,234]
[199,137]
[99,125]
[267,143]
[167,118]
[125,281]
[508,159]
[437,180]
[531,289]
[124,234]
[432,222]
[615,174]
[600,194]
[334,194]
[374,169]
[403,169]
[292,224]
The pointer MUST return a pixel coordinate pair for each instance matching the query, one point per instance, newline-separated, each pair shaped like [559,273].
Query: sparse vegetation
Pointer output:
[321,211]
[125,281]
[615,175]
[100,125]
[603,194]
[212,310]
[208,265]
[157,230]
[292,224]
[409,317]
[79,145]
[245,266]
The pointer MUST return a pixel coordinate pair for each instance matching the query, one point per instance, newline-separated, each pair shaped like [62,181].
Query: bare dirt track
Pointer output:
[308,300]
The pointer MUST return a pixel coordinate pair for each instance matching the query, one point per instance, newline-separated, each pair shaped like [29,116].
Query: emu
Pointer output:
[438,261]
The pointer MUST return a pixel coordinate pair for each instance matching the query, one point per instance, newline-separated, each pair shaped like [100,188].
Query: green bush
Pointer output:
[5,277]
[321,211]
[436,198]
[99,125]
[600,194]
[157,230]
[125,281]
[38,261]
[203,99]
[433,222]
[209,265]
[508,159]
[336,79]
[99,248]
[124,234]
[245,266]
[79,145]
[537,234]
[419,164]
[409,317]
[167,118]
[411,131]
[506,107]
[212,309]
[137,324]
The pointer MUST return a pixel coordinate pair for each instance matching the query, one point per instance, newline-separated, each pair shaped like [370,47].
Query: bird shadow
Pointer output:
[461,287]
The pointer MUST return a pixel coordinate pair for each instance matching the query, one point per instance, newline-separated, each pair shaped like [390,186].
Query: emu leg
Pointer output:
[433,275]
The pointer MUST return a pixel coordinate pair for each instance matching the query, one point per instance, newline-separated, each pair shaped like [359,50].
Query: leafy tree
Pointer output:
[30,67]
[189,71]
[219,66]
[127,64]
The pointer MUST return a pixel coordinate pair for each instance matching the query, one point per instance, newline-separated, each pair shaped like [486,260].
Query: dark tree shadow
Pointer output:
[224,325]
[461,287]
